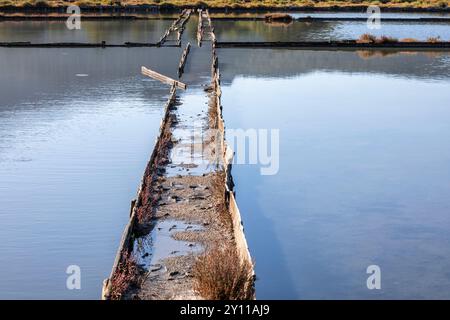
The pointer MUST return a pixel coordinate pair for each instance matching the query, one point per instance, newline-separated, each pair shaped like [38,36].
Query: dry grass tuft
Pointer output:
[278,17]
[434,39]
[367,38]
[409,40]
[218,188]
[220,274]
[386,39]
[149,196]
[370,38]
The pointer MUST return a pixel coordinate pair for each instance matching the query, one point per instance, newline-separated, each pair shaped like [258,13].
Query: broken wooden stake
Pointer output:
[176,26]
[164,79]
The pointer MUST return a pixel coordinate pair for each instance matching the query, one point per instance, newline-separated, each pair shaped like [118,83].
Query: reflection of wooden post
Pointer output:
[164,79]
[183,60]
[199,28]
[178,26]
[209,18]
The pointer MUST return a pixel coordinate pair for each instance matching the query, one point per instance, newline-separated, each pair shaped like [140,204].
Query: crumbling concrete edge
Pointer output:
[228,154]
[125,243]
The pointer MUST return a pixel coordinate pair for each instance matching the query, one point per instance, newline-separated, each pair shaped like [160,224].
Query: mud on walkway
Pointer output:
[185,203]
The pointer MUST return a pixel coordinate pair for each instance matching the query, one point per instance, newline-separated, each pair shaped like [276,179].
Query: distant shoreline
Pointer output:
[219,9]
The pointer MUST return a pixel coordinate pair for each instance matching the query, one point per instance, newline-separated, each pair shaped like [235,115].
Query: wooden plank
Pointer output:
[164,79]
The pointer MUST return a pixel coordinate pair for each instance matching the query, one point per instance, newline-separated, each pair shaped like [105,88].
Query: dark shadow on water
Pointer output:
[273,279]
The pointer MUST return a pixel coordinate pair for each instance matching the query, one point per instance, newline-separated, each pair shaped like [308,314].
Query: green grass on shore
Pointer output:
[236,3]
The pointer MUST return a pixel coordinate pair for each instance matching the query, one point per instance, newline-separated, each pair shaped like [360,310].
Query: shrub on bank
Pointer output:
[434,39]
[219,274]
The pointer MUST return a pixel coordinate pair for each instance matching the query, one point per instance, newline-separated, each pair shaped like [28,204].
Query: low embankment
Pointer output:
[343,44]
[185,238]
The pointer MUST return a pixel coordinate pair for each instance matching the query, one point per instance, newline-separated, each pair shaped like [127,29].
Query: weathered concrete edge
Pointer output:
[231,204]
[126,235]
[238,227]
[227,157]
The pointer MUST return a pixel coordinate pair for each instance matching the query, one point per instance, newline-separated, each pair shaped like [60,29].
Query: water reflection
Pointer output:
[288,63]
[72,152]
[363,174]
[323,30]
[322,14]
[112,31]
[77,126]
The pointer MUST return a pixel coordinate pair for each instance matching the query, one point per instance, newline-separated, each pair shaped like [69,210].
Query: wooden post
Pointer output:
[178,26]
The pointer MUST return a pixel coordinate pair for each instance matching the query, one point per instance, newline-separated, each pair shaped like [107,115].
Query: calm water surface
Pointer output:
[323,14]
[112,31]
[364,172]
[363,150]
[324,30]
[77,128]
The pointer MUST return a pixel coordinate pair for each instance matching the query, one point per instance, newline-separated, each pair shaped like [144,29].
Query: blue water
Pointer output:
[363,178]
[77,128]
[325,30]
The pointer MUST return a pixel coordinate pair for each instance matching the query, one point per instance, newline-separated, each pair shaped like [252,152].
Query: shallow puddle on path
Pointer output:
[160,244]
[190,154]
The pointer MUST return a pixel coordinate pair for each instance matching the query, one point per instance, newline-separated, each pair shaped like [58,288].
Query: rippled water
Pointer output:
[363,179]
